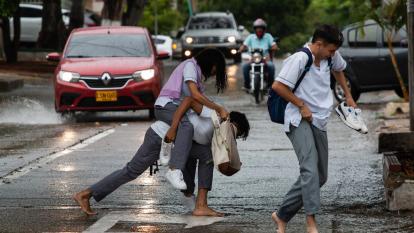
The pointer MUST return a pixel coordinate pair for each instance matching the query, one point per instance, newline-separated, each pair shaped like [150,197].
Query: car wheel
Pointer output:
[237,58]
[340,94]
[151,114]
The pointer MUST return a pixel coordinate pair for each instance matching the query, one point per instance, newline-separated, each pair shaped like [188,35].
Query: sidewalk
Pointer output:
[14,76]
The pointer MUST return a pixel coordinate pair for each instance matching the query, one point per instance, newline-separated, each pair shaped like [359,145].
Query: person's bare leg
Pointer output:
[311,226]
[201,208]
[82,198]
[281,225]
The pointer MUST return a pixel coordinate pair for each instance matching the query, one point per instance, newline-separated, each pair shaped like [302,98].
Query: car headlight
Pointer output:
[257,57]
[68,76]
[231,39]
[189,40]
[143,75]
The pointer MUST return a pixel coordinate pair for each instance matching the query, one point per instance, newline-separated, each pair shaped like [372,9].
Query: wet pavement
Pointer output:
[45,158]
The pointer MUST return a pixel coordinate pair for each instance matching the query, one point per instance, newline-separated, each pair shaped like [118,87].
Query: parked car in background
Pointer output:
[212,30]
[31,21]
[91,19]
[163,43]
[369,64]
[108,69]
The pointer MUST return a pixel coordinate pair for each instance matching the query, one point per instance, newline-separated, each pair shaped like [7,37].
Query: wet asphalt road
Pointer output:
[44,159]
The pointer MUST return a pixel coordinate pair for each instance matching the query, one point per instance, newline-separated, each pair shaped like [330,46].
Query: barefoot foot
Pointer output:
[82,198]
[281,225]
[311,226]
[206,211]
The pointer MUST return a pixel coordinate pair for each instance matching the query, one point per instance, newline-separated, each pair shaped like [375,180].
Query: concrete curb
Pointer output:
[7,85]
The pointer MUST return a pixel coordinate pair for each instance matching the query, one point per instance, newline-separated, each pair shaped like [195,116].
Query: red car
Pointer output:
[108,69]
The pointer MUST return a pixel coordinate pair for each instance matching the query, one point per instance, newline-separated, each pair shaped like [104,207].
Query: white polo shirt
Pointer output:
[314,89]
[202,124]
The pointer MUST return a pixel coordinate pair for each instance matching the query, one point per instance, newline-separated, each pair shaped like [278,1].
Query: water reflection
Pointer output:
[147,229]
[65,168]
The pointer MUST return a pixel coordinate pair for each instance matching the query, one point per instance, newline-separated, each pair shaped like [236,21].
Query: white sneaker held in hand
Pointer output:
[348,116]
[364,128]
[176,179]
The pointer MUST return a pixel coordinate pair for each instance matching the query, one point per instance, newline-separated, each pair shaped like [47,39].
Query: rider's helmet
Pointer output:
[259,23]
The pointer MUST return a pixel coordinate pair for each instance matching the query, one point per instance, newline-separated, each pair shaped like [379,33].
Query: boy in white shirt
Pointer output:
[305,121]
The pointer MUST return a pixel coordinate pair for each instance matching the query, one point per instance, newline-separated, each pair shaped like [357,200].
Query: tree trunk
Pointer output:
[112,12]
[53,32]
[76,15]
[135,9]
[395,65]
[11,46]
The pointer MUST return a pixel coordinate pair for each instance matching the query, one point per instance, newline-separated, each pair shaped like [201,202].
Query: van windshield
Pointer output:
[197,23]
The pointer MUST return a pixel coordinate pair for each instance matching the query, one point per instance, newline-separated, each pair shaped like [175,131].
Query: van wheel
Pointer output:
[340,94]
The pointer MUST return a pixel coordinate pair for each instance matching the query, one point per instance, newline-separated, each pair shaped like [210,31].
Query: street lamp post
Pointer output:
[410,30]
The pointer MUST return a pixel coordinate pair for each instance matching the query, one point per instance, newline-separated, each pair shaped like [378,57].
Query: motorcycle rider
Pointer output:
[259,39]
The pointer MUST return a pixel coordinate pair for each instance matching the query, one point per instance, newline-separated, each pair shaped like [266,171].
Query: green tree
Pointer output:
[168,18]
[337,12]
[10,8]
[391,17]
[285,18]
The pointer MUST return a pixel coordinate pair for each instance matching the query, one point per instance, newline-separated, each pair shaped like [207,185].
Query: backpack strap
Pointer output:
[330,63]
[307,66]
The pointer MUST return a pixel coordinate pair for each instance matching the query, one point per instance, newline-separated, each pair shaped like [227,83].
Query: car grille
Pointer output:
[115,82]
[208,40]
[122,101]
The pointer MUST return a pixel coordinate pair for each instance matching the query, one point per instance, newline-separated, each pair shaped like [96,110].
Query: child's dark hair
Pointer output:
[242,124]
[329,34]
[207,59]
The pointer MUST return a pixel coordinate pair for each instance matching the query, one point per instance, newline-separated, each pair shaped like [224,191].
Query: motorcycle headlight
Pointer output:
[143,75]
[189,40]
[257,57]
[68,76]
[231,39]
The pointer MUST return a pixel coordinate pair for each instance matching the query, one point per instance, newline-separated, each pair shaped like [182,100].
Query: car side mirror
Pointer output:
[53,57]
[240,28]
[162,55]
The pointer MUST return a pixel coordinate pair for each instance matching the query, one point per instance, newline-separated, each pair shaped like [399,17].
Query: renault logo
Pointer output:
[106,78]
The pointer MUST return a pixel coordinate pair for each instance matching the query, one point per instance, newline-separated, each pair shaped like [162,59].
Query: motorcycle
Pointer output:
[258,86]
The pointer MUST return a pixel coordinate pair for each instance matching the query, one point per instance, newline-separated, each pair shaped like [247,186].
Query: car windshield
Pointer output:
[108,45]
[197,23]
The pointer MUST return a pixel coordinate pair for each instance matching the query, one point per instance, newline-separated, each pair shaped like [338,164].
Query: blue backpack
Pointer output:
[276,105]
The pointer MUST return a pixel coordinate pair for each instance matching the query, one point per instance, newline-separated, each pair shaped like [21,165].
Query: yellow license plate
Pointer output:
[106,96]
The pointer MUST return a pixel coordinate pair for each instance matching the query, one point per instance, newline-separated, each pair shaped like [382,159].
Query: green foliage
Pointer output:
[292,42]
[168,19]
[8,7]
[392,15]
[337,12]
[283,17]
